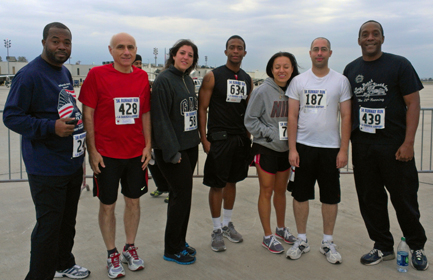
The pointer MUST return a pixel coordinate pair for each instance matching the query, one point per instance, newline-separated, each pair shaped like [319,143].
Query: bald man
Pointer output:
[116,109]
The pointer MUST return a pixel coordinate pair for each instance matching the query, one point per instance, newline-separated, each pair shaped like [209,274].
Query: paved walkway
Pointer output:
[247,260]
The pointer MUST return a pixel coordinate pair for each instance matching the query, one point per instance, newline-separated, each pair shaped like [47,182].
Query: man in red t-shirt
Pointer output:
[116,109]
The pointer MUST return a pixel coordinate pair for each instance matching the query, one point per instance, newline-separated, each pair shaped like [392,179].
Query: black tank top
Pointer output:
[223,114]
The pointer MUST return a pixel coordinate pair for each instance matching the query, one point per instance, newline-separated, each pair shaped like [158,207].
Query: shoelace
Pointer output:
[372,252]
[418,254]
[133,252]
[273,241]
[332,247]
[184,253]
[115,259]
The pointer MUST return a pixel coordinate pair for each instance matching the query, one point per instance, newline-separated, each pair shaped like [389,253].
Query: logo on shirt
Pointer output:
[359,79]
[370,91]
[67,107]
[280,109]
[188,105]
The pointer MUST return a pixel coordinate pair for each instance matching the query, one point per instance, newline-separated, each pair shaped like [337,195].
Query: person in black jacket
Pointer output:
[175,142]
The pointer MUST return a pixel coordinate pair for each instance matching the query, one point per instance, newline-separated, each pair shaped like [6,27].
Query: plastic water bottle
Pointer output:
[402,256]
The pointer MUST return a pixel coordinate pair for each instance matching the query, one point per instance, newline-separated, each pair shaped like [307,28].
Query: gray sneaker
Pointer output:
[217,241]
[285,235]
[273,245]
[230,232]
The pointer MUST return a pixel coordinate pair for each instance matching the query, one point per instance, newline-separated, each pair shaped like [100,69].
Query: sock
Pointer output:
[112,251]
[302,236]
[269,236]
[216,223]
[327,237]
[227,216]
[127,246]
[280,228]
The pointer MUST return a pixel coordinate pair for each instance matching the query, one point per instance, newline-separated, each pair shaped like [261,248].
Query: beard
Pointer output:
[51,56]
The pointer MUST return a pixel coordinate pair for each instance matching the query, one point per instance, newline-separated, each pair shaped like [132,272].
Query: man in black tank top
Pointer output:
[225,93]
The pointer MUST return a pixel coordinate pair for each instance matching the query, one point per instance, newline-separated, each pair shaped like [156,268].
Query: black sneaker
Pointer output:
[419,260]
[192,251]
[375,256]
[180,258]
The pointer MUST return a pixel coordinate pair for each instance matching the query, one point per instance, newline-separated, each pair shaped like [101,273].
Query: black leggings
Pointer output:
[179,178]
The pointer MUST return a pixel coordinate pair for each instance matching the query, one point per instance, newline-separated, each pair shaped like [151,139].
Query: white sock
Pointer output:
[268,236]
[216,223]
[280,228]
[327,237]
[227,217]
[302,236]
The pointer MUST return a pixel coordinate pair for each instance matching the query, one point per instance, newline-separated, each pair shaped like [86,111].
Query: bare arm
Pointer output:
[292,131]
[405,152]
[204,97]
[147,128]
[345,110]
[95,159]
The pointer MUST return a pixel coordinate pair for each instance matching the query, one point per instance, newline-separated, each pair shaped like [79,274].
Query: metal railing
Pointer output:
[12,168]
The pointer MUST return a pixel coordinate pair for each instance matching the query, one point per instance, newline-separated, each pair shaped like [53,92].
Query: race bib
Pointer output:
[371,119]
[126,109]
[236,91]
[78,147]
[282,127]
[314,100]
[190,120]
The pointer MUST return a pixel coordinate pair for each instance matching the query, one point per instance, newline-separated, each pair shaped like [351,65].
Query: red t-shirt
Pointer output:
[119,100]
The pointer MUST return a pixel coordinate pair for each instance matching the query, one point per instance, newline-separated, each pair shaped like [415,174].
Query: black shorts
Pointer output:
[227,161]
[132,178]
[270,161]
[316,164]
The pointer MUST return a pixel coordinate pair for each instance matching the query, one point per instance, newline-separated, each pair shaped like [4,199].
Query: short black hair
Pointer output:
[329,43]
[175,49]
[137,57]
[236,37]
[292,60]
[380,25]
[56,25]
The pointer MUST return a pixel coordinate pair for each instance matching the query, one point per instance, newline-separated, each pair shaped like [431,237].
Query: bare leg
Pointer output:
[107,224]
[215,201]
[301,211]
[229,195]
[329,214]
[267,182]
[280,188]
[131,218]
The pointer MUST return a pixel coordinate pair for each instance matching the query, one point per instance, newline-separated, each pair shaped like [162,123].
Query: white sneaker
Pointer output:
[329,249]
[130,257]
[114,267]
[300,247]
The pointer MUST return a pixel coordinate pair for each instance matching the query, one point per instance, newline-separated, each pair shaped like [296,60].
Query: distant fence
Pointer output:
[12,168]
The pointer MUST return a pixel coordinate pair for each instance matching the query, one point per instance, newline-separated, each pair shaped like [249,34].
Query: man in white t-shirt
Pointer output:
[315,149]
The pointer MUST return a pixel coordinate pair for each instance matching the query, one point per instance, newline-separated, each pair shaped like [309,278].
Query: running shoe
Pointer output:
[419,260]
[75,272]
[232,235]
[156,193]
[181,258]
[300,247]
[285,235]
[273,245]
[329,249]
[130,257]
[192,251]
[114,267]
[375,256]
[217,241]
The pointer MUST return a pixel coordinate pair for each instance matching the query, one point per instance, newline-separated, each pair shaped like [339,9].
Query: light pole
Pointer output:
[205,59]
[7,46]
[155,52]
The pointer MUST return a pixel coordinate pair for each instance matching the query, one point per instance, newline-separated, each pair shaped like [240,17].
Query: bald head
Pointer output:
[123,50]
[328,43]
[121,36]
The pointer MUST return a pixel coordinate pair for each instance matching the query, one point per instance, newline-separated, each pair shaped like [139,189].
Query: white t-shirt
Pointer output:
[319,99]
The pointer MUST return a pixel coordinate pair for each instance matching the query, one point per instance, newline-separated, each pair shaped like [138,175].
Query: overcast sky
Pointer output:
[266,26]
